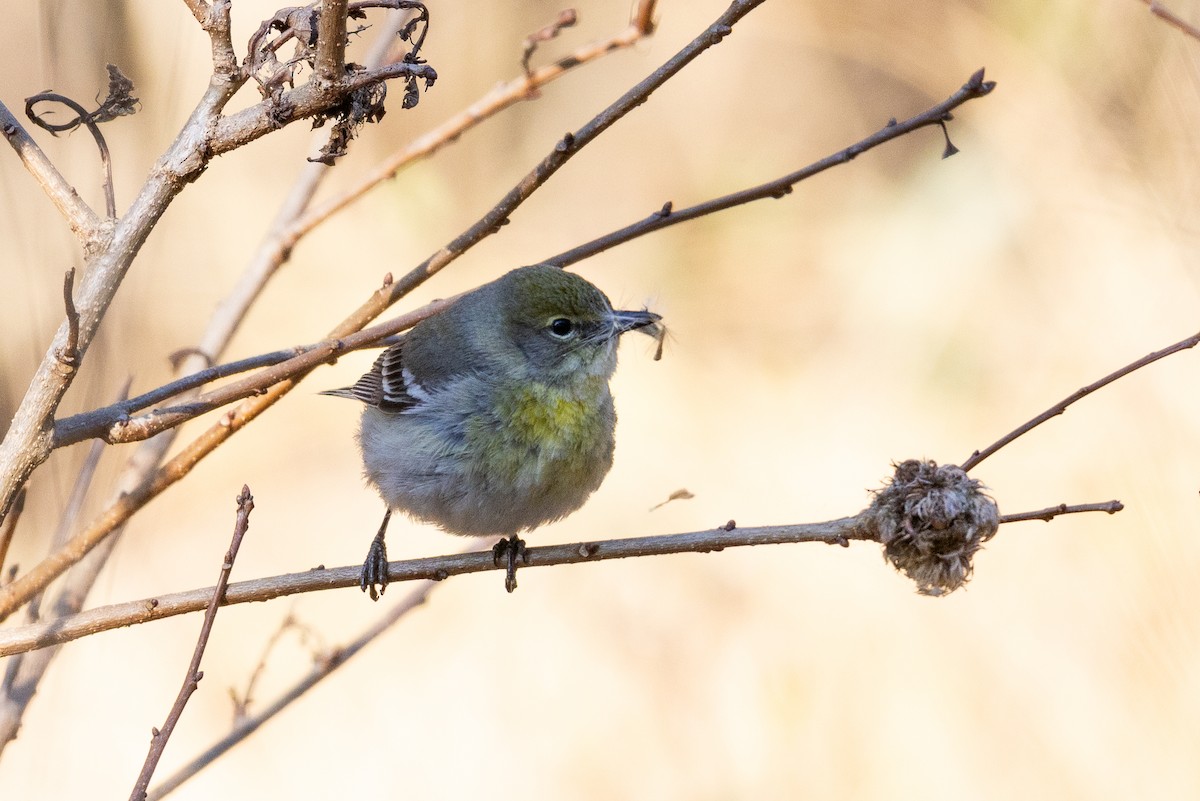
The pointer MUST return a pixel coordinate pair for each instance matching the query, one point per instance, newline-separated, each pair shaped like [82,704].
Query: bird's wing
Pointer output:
[387,385]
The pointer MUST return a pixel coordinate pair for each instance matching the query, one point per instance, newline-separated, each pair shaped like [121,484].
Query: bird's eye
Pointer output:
[562,328]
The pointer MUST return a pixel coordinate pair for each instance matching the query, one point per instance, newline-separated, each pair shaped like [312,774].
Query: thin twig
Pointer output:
[1061,406]
[84,118]
[507,94]
[321,670]
[1048,514]
[79,216]
[115,426]
[565,19]
[68,354]
[780,187]
[158,741]
[19,591]
[23,672]
[8,528]
[1171,18]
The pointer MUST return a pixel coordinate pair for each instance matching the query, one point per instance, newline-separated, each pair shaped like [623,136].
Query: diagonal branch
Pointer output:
[83,221]
[158,742]
[322,670]
[778,188]
[1079,394]
[19,591]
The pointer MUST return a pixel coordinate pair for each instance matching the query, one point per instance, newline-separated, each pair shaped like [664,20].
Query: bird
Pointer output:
[495,416]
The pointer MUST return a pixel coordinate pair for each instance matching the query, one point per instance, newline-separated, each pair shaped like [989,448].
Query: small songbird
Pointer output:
[495,416]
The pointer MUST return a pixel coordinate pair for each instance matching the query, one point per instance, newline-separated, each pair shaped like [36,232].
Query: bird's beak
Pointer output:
[645,321]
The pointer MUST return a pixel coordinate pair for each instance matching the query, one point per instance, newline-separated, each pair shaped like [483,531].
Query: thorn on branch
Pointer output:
[950,148]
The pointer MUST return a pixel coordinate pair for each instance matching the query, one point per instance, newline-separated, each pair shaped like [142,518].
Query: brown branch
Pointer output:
[437,568]
[324,668]
[330,64]
[199,9]
[520,88]
[158,742]
[68,355]
[565,19]
[1171,18]
[25,638]
[1048,514]
[115,426]
[79,216]
[304,101]
[8,528]
[1061,406]
[19,591]
[24,672]
[778,188]
[29,439]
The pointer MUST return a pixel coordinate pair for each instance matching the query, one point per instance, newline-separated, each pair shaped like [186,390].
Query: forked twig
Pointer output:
[321,670]
[158,741]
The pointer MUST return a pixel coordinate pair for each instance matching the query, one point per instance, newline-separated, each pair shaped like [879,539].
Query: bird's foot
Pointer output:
[506,552]
[375,569]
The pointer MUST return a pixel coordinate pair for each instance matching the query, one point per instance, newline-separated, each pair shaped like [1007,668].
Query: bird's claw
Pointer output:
[506,552]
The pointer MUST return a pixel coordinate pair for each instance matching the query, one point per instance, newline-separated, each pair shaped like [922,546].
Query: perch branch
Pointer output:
[840,532]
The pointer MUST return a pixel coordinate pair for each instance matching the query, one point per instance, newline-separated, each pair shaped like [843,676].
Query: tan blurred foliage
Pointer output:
[897,307]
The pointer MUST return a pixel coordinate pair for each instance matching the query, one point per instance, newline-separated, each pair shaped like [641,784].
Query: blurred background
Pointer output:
[897,307]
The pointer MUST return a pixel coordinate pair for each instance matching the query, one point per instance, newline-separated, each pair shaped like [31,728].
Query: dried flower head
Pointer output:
[931,520]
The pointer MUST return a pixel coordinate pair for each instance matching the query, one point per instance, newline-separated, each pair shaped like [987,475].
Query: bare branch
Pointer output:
[330,64]
[864,526]
[779,187]
[158,742]
[119,102]
[520,88]
[9,527]
[1079,394]
[565,19]
[199,9]
[23,588]
[324,668]
[68,355]
[1048,514]
[24,638]
[79,216]
[1173,19]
